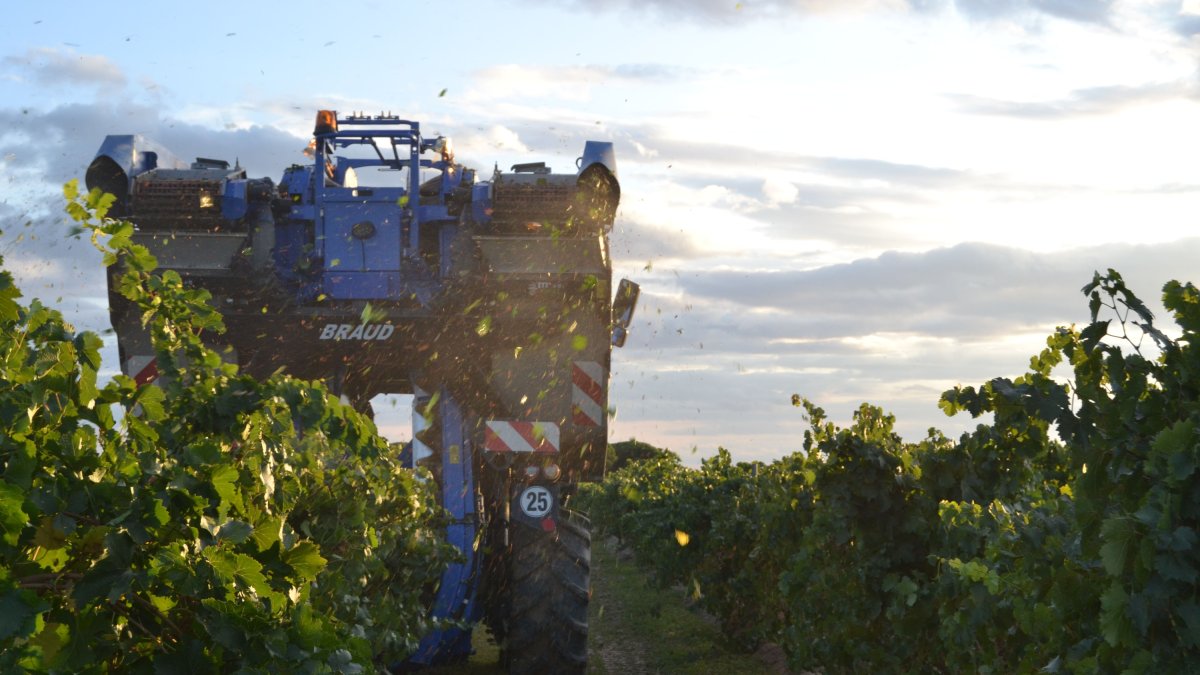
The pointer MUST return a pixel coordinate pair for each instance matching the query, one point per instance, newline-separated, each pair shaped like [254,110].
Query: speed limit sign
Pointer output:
[536,501]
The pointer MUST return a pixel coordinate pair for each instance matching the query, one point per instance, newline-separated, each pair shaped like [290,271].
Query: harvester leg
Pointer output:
[456,595]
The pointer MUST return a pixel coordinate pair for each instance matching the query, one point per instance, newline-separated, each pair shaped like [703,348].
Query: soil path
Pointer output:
[636,627]
[613,647]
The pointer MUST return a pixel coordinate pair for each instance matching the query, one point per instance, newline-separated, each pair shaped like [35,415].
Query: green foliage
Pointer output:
[1059,537]
[626,452]
[697,528]
[213,523]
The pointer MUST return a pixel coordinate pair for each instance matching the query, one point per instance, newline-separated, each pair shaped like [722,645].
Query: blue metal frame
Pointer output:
[388,265]
[396,270]
[456,596]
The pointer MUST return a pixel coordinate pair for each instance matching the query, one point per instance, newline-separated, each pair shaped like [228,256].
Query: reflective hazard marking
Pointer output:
[521,437]
[143,369]
[587,394]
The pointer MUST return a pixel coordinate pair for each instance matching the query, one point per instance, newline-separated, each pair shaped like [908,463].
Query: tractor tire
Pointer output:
[547,626]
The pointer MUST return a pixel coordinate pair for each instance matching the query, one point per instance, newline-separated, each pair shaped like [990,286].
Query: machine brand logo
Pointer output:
[349,331]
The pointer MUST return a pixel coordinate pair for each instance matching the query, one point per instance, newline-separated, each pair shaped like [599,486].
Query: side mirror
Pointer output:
[622,310]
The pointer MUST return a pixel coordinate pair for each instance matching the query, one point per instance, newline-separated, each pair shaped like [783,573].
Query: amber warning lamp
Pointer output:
[326,122]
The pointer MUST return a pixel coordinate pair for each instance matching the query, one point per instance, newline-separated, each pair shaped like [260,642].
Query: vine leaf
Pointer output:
[13,518]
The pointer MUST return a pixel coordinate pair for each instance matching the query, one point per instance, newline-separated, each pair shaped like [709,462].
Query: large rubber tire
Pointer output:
[548,620]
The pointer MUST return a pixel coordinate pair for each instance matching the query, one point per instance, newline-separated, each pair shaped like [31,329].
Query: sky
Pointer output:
[850,200]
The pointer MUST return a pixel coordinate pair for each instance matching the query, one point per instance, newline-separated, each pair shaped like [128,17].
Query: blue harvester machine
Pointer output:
[383,267]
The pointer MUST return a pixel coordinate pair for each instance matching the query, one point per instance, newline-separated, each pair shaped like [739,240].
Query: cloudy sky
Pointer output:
[853,200]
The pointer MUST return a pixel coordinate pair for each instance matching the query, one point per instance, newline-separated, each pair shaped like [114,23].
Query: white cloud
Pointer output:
[897,345]
[778,191]
[565,83]
[486,142]
[895,330]
[50,66]
[1085,11]
[643,151]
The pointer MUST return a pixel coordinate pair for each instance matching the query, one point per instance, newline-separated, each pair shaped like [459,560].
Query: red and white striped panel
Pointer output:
[143,369]
[521,437]
[587,394]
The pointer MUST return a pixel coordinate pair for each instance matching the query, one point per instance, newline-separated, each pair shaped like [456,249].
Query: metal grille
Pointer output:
[171,204]
[548,203]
